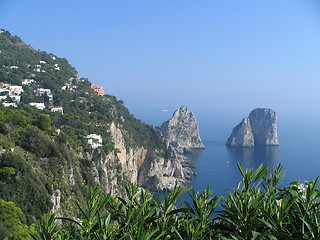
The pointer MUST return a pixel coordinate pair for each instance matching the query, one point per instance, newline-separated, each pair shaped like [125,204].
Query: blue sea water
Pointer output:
[298,151]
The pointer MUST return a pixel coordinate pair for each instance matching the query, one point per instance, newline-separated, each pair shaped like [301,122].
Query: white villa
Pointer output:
[27,81]
[69,87]
[57,109]
[40,106]
[15,90]
[94,140]
[11,91]
[6,104]
[43,91]
[56,67]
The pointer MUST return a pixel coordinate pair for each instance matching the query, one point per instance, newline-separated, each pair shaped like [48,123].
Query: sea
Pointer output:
[216,165]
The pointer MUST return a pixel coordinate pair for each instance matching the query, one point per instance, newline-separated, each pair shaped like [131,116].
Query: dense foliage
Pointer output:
[256,209]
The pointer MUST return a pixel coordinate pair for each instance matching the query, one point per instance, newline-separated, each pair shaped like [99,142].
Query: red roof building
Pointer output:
[98,89]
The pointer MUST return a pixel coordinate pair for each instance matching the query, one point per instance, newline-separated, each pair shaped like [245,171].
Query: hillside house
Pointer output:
[40,106]
[27,81]
[94,140]
[15,98]
[57,109]
[11,91]
[15,90]
[44,91]
[98,89]
[69,87]
[7,104]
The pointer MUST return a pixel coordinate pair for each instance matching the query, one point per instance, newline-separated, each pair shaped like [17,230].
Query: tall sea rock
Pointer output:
[260,128]
[242,135]
[182,132]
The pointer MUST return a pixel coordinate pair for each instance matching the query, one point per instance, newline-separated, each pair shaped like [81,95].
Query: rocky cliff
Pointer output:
[139,165]
[260,128]
[181,131]
[242,135]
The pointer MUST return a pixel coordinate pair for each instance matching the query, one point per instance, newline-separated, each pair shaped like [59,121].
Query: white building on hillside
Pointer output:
[15,98]
[27,81]
[15,90]
[7,104]
[57,109]
[44,91]
[40,106]
[56,67]
[11,91]
[94,140]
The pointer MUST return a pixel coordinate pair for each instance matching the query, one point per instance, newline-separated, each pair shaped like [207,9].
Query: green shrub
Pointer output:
[34,140]
[256,209]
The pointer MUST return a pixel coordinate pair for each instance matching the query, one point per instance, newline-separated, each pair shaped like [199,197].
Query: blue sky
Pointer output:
[205,54]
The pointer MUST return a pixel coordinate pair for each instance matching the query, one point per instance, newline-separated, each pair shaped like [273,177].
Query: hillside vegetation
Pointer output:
[47,158]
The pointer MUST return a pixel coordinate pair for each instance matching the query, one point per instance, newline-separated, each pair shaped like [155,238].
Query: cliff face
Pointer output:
[145,167]
[131,159]
[160,174]
[260,128]
[242,135]
[264,126]
[181,131]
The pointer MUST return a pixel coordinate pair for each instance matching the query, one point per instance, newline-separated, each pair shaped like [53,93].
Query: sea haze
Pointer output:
[298,152]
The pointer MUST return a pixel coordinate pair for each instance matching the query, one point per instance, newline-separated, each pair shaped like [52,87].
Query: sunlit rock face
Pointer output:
[260,128]
[182,132]
[264,126]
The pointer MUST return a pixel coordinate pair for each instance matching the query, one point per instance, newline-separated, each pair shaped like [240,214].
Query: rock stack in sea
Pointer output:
[182,132]
[260,128]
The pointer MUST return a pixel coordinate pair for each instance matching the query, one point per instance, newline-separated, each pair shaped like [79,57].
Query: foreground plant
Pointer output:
[256,209]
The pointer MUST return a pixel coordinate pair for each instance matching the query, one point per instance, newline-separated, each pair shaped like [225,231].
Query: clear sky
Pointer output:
[161,54]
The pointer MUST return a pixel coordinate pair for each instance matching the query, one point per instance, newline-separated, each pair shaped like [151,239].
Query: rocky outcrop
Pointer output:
[162,174]
[181,131]
[145,167]
[55,201]
[260,128]
[130,159]
[242,135]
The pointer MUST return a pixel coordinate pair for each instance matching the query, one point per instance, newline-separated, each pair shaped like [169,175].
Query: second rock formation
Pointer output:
[182,132]
[260,128]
